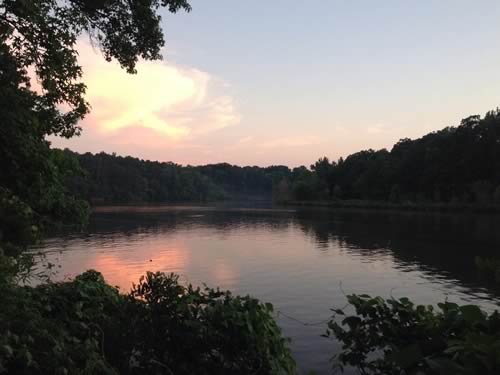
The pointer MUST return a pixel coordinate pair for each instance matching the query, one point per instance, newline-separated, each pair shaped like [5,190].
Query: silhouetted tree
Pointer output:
[40,37]
[457,164]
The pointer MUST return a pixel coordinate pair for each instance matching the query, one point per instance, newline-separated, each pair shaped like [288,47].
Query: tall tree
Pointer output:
[38,41]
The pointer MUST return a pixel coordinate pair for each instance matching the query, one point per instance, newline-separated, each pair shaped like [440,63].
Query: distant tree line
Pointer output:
[455,165]
[111,178]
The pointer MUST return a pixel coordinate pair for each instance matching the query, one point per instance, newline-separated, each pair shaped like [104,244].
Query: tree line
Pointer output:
[108,178]
[455,165]
[458,164]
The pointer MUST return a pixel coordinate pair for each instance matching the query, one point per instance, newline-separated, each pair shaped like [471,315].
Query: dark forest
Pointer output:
[456,165]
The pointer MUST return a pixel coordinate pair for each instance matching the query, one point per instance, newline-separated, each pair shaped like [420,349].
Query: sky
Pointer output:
[286,82]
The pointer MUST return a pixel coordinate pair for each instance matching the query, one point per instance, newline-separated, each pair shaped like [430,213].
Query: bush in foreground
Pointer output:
[395,336]
[85,326]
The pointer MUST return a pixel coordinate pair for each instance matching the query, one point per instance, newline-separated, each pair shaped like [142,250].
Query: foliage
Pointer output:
[204,331]
[161,327]
[488,267]
[395,336]
[42,34]
[457,166]
[41,95]
[114,179]
[17,231]
[56,328]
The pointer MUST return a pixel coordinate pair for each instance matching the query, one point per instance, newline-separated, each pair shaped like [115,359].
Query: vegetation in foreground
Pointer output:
[86,326]
[395,336]
[161,327]
[488,268]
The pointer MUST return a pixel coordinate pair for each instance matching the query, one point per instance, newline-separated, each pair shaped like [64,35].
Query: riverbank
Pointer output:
[208,207]
[407,206]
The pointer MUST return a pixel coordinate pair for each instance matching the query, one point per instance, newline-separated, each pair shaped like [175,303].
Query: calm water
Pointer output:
[301,261]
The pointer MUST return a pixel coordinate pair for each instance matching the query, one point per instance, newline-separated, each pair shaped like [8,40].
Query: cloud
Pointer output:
[377,129]
[292,141]
[245,140]
[170,102]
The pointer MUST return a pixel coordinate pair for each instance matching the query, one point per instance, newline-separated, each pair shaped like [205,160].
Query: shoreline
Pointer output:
[290,205]
[410,206]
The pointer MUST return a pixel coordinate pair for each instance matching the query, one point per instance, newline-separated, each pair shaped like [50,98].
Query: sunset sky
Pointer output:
[285,82]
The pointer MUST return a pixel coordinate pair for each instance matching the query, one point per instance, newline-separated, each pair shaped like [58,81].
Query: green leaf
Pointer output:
[7,350]
[444,366]
[408,356]
[471,313]
[352,321]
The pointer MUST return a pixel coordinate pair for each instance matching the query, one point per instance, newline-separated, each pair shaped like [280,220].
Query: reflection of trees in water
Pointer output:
[135,224]
[444,245]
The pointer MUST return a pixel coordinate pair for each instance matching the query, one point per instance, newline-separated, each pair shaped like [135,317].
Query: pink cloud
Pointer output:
[163,105]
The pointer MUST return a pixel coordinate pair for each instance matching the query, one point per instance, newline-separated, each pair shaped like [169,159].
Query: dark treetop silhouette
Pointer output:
[457,165]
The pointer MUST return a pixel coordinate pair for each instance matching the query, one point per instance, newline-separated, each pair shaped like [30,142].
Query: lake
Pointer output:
[304,261]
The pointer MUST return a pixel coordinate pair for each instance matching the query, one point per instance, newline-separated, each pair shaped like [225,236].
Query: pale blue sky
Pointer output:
[303,79]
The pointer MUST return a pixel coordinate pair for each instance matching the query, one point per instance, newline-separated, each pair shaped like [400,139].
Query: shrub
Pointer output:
[488,268]
[161,327]
[395,336]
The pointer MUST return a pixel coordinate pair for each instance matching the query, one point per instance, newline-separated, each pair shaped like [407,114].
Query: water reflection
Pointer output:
[303,261]
[442,246]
